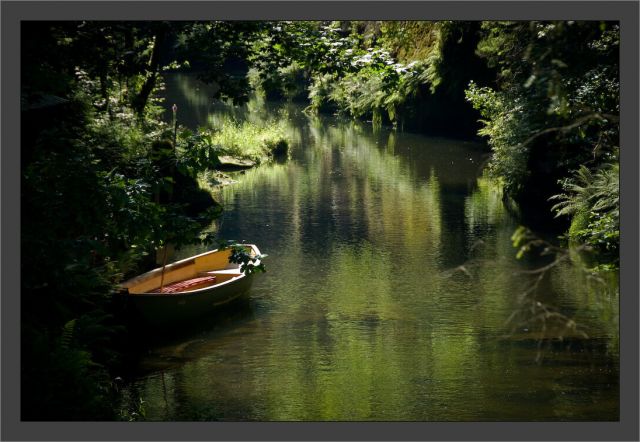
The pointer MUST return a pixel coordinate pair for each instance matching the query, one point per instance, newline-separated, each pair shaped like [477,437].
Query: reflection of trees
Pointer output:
[361,323]
[194,99]
[375,231]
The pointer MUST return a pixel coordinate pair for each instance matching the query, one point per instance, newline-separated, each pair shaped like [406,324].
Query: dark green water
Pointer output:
[360,316]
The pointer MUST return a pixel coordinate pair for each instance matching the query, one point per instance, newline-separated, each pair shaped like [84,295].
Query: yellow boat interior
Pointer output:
[215,263]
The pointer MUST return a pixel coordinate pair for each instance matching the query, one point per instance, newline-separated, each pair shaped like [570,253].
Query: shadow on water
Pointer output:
[162,347]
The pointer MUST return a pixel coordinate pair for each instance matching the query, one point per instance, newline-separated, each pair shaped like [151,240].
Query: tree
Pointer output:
[555,106]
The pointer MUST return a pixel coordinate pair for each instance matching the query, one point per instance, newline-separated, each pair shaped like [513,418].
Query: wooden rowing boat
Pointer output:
[190,287]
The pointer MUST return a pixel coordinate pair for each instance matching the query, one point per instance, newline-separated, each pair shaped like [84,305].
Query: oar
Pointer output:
[164,264]
[174,109]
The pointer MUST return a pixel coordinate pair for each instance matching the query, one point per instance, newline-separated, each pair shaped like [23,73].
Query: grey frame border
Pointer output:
[626,12]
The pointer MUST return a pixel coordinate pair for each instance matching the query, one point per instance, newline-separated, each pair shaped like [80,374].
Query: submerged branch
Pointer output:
[549,323]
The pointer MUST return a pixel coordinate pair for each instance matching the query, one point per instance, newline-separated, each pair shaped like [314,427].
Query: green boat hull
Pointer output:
[162,309]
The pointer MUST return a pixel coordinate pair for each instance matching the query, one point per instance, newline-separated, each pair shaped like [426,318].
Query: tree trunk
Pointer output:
[140,101]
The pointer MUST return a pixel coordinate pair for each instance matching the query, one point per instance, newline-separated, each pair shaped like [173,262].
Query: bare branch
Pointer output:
[577,123]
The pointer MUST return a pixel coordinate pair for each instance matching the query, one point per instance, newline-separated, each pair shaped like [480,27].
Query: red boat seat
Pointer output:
[180,286]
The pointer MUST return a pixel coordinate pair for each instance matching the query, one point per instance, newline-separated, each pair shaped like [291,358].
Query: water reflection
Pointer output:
[359,316]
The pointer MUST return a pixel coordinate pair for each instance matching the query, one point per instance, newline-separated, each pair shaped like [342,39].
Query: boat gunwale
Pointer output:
[178,264]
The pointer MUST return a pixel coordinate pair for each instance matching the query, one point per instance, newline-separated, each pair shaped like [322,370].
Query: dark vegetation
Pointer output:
[554,110]
[106,182]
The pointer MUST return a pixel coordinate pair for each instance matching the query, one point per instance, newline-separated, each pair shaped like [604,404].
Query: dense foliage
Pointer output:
[219,51]
[103,189]
[552,120]
[387,72]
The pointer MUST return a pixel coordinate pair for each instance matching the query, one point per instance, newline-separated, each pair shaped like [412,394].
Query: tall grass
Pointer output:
[249,140]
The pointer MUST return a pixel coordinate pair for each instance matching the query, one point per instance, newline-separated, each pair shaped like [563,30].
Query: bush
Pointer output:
[378,88]
[506,123]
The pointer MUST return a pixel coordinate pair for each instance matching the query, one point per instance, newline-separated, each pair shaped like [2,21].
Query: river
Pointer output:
[391,278]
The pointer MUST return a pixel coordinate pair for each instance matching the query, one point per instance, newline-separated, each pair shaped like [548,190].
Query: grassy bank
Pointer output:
[256,142]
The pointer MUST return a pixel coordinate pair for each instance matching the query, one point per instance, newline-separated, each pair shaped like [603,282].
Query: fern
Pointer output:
[67,334]
[588,191]
[592,199]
